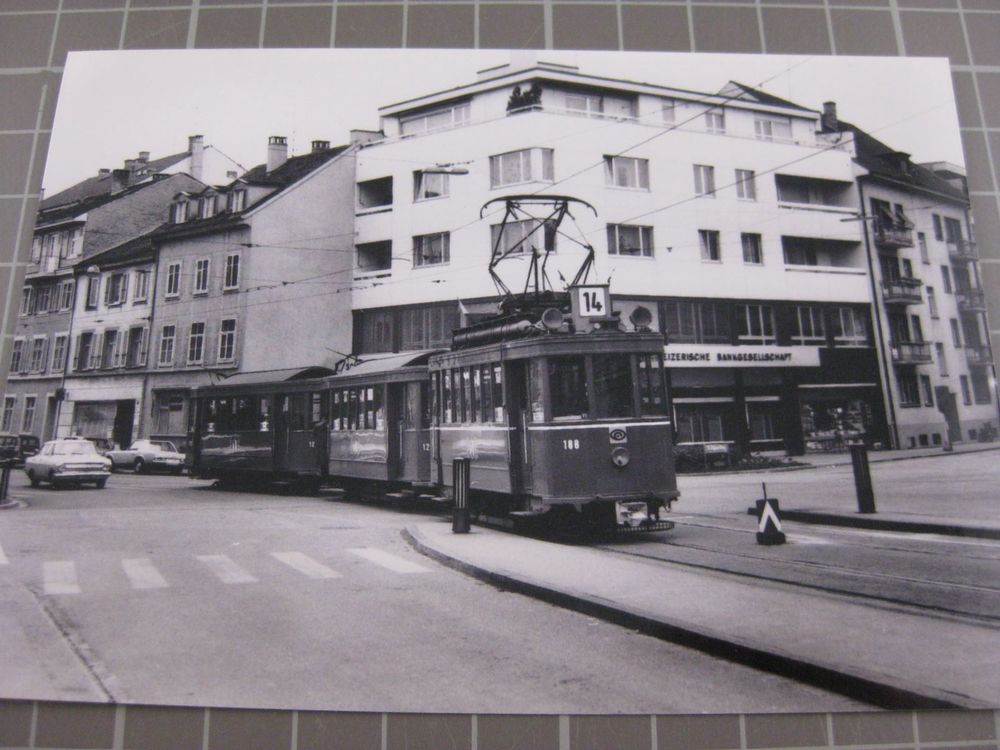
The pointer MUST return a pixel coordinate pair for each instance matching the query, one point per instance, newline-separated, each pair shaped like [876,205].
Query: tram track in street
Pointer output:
[930,597]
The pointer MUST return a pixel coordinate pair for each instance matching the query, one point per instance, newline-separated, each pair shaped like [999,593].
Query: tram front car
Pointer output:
[585,420]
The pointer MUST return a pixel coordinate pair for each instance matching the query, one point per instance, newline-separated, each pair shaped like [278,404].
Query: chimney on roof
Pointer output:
[361,137]
[120,179]
[320,146]
[196,149]
[103,172]
[144,157]
[277,152]
[830,121]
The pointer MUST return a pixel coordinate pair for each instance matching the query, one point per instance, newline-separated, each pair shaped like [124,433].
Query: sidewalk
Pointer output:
[890,658]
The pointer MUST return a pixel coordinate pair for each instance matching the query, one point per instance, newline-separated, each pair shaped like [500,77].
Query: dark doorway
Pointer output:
[124,417]
[946,405]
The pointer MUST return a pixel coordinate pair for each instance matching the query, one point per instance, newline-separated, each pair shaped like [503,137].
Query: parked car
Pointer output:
[68,461]
[103,445]
[28,446]
[148,455]
[8,446]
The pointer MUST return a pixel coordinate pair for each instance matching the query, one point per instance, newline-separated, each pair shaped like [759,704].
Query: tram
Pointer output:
[561,408]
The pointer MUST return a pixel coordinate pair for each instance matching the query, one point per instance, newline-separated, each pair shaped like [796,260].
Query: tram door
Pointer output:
[412,431]
[516,399]
[299,432]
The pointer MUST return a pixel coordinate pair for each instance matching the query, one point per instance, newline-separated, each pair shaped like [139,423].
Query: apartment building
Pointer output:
[251,276]
[937,366]
[729,217]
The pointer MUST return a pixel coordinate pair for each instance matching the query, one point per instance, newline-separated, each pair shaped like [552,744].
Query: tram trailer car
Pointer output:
[564,431]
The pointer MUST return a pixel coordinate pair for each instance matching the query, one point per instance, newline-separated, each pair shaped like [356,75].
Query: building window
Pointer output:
[699,423]
[17,355]
[946,279]
[909,389]
[922,245]
[8,413]
[109,355]
[772,128]
[980,384]
[373,194]
[28,421]
[952,230]
[746,185]
[84,342]
[927,389]
[227,340]
[429,185]
[207,207]
[938,229]
[932,302]
[756,324]
[696,322]
[668,108]
[196,344]
[942,362]
[708,240]
[116,289]
[428,327]
[173,287]
[36,249]
[374,256]
[236,201]
[38,352]
[93,292]
[956,335]
[135,348]
[59,353]
[431,249]
[438,119]
[590,105]
[76,243]
[715,121]
[27,299]
[375,330]
[178,212]
[167,335]
[43,299]
[141,293]
[753,253]
[630,239]
[517,237]
[232,276]
[66,295]
[704,180]
[201,276]
[626,172]
[963,381]
[527,165]
[809,327]
[800,251]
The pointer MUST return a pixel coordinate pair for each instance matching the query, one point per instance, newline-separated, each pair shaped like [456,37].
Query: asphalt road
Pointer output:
[161,590]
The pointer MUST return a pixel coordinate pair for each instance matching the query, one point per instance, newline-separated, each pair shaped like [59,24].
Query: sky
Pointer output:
[112,105]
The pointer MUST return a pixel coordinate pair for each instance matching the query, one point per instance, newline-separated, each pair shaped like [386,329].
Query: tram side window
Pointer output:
[497,393]
[485,386]
[568,388]
[336,413]
[456,396]
[476,413]
[536,377]
[446,404]
[652,393]
[613,385]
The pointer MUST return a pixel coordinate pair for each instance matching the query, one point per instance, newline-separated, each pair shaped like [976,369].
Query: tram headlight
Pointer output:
[620,457]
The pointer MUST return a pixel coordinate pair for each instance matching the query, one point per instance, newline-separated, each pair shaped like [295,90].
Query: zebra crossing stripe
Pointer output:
[388,561]
[59,577]
[305,565]
[226,570]
[142,575]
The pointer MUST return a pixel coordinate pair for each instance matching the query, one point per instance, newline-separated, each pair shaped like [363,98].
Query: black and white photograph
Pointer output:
[502,382]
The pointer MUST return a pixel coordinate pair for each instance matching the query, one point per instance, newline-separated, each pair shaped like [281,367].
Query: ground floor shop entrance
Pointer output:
[111,420]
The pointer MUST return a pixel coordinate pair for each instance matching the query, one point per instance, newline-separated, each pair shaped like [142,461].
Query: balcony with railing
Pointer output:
[911,352]
[892,234]
[962,250]
[970,300]
[905,290]
[977,354]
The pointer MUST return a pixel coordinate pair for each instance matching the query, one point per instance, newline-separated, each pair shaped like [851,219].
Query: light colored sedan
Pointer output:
[68,461]
[148,455]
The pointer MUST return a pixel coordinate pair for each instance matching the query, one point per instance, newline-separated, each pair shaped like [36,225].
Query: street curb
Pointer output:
[813,467]
[884,524]
[870,687]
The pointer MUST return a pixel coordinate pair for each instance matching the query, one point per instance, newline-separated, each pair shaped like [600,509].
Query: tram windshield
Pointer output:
[610,390]
[568,388]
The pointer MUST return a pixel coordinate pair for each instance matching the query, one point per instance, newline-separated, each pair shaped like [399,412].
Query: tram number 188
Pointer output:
[571,445]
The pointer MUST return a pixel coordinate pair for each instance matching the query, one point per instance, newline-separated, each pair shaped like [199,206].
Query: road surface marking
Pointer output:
[226,570]
[60,577]
[142,575]
[390,562]
[305,565]
[3,557]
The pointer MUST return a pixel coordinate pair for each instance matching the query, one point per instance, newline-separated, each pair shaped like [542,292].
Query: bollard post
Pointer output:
[862,478]
[460,514]
[5,479]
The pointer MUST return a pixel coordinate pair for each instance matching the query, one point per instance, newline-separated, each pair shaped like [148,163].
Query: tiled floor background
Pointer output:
[35,36]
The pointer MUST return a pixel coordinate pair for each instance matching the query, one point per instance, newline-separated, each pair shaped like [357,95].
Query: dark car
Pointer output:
[28,446]
[9,446]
